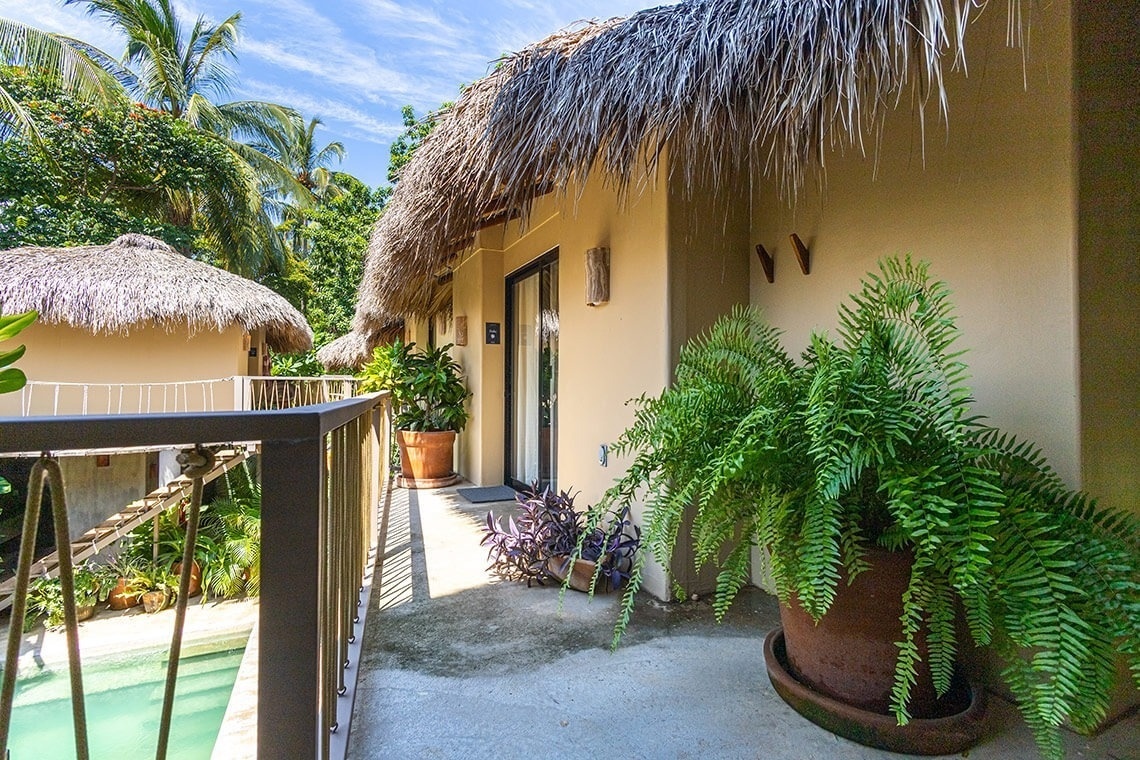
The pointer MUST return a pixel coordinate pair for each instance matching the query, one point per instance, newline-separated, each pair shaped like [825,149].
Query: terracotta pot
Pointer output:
[949,735]
[426,455]
[195,577]
[850,654]
[84,612]
[121,598]
[581,574]
[154,601]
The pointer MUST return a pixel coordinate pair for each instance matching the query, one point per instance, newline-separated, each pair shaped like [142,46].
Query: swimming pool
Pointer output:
[124,701]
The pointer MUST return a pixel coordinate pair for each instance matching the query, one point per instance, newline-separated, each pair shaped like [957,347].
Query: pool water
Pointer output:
[124,702]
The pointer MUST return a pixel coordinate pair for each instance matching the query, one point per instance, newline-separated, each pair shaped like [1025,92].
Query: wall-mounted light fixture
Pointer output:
[461,329]
[245,341]
[597,276]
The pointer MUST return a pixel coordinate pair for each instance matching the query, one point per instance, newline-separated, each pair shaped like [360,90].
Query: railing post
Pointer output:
[289,687]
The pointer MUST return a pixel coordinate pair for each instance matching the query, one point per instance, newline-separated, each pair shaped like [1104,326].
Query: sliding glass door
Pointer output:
[532,374]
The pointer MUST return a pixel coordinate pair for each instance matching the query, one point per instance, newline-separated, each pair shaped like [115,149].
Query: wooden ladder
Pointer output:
[127,519]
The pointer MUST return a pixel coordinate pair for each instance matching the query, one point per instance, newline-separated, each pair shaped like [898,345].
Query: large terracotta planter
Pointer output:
[848,661]
[195,577]
[425,458]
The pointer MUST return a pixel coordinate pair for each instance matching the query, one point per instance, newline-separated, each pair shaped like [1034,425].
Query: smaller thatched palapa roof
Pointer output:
[353,349]
[725,84]
[137,280]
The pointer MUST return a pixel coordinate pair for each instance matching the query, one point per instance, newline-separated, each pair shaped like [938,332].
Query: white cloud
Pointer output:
[70,20]
[362,125]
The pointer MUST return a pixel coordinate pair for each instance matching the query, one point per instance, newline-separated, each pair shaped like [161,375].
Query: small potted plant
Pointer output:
[45,596]
[428,398]
[539,545]
[159,585]
[119,577]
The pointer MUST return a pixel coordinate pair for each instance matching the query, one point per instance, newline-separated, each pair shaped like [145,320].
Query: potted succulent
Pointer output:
[865,453]
[428,398]
[539,545]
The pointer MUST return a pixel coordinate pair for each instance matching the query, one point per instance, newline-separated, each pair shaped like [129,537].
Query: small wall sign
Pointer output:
[494,333]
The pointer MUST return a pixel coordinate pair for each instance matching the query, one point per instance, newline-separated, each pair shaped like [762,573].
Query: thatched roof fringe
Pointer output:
[727,84]
[353,350]
[138,280]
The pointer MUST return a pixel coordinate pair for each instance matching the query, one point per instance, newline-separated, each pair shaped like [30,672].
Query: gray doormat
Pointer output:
[487,493]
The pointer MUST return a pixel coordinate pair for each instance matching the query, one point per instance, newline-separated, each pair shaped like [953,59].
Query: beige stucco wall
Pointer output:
[992,209]
[608,354]
[148,354]
[1108,234]
[708,275]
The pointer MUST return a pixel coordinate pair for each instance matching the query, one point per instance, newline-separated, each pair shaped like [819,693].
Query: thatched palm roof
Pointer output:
[136,280]
[726,84]
[353,350]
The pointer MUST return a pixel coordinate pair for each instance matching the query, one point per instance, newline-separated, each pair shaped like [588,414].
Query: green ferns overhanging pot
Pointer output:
[870,440]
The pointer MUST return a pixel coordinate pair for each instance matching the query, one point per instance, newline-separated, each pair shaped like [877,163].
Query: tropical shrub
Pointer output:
[548,527]
[228,545]
[45,595]
[870,440]
[426,386]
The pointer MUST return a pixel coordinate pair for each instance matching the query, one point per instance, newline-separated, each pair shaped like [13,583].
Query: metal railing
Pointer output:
[322,471]
[239,392]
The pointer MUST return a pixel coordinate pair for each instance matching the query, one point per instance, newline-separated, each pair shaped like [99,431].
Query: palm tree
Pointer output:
[295,148]
[79,69]
[183,74]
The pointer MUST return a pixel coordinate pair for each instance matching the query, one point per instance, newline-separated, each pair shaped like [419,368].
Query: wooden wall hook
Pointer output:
[803,256]
[767,263]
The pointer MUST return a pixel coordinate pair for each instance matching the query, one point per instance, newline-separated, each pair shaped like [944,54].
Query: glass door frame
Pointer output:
[529,269]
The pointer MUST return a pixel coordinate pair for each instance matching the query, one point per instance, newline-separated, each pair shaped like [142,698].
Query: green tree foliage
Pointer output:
[295,147]
[404,147]
[74,67]
[184,71]
[337,237]
[98,173]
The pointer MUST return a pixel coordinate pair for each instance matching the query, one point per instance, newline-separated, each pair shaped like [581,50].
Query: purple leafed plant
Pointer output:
[548,527]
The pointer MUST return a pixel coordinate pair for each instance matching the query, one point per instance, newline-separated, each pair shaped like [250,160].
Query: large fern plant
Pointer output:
[869,440]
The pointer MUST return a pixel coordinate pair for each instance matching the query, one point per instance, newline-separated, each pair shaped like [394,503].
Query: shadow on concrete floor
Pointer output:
[459,665]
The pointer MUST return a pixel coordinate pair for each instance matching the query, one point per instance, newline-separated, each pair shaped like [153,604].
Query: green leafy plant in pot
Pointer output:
[864,452]
[45,597]
[428,396]
[537,543]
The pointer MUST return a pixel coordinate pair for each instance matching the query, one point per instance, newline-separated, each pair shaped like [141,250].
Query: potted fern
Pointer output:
[428,398]
[864,452]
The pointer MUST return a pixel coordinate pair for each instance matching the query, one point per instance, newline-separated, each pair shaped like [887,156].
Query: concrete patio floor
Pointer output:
[459,665]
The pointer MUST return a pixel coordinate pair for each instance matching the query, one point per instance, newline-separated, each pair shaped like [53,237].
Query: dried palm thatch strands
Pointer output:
[726,84]
[353,349]
[444,196]
[137,280]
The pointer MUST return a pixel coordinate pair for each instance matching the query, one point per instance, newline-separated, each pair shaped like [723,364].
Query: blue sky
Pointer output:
[354,64]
